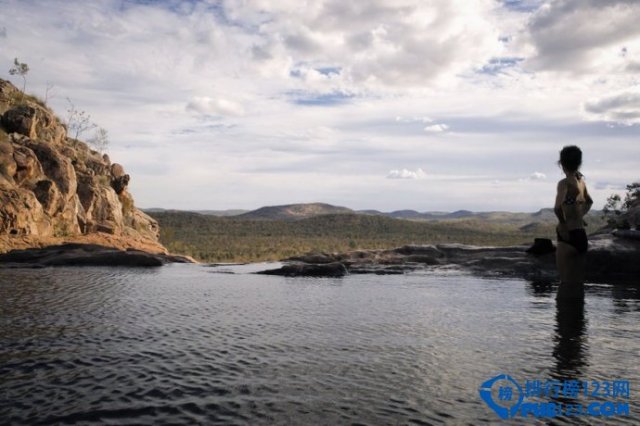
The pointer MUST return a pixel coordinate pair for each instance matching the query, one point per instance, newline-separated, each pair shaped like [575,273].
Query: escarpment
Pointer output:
[56,189]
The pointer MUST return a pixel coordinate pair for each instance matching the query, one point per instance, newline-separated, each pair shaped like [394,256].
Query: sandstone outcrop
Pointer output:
[55,189]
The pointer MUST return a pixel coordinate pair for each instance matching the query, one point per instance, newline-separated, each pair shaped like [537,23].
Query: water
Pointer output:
[187,344]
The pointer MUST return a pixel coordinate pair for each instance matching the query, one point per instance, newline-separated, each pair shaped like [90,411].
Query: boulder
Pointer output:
[49,196]
[105,213]
[142,224]
[21,119]
[28,168]
[117,170]
[32,120]
[56,167]
[22,214]
[8,166]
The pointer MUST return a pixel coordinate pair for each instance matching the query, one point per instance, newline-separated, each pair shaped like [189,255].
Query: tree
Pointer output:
[616,212]
[49,92]
[100,140]
[22,70]
[78,121]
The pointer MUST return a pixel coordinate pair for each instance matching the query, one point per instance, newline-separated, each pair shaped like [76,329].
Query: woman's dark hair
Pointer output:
[570,158]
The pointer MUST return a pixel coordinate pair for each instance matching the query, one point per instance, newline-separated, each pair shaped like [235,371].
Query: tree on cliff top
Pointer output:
[617,212]
[21,69]
[78,121]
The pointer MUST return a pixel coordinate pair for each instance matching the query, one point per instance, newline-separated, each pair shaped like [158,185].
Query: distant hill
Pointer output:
[222,213]
[231,239]
[277,232]
[293,211]
[219,213]
[523,220]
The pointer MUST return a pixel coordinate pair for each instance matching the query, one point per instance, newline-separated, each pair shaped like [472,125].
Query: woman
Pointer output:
[572,203]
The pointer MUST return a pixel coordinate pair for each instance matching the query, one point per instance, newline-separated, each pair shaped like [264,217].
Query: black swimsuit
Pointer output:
[577,237]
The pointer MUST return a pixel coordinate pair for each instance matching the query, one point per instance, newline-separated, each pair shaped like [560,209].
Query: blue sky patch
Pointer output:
[320,99]
[498,65]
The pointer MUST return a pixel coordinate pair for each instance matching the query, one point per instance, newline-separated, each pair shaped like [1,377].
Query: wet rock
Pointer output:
[85,255]
[335,269]
[608,257]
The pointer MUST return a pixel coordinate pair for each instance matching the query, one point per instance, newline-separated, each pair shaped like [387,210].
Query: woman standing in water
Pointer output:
[572,203]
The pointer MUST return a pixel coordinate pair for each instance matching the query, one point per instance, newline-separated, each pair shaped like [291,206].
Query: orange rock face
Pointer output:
[55,189]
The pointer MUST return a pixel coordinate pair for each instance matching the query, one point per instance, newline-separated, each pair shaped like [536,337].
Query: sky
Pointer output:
[431,105]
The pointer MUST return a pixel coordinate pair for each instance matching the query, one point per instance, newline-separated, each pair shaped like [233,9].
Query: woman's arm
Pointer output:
[560,194]
[588,201]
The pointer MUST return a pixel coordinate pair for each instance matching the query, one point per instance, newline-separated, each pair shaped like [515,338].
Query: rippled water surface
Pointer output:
[187,344]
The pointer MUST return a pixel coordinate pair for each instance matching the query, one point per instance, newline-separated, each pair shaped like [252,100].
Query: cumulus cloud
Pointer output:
[582,35]
[208,106]
[148,71]
[406,174]
[436,128]
[623,108]
[537,176]
[377,43]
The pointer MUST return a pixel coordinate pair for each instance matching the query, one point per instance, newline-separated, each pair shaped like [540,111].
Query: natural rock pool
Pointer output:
[193,344]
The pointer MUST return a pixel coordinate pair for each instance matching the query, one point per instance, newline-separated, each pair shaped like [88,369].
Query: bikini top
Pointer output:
[572,199]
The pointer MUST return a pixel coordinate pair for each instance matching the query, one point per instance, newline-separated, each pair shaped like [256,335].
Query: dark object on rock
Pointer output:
[84,255]
[541,246]
[120,183]
[335,269]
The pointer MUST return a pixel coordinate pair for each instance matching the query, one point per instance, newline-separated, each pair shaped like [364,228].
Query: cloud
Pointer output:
[623,108]
[582,36]
[208,106]
[310,95]
[406,174]
[414,119]
[613,186]
[376,43]
[436,128]
[537,176]
[3,32]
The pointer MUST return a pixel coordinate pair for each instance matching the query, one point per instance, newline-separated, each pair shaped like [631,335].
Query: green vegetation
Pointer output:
[21,69]
[224,239]
[616,211]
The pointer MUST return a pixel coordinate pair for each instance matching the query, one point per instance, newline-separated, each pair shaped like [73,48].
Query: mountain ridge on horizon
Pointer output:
[298,211]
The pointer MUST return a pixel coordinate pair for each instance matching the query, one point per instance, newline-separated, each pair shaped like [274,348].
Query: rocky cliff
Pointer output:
[55,189]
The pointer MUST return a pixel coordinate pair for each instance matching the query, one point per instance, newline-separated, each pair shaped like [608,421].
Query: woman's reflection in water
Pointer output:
[570,348]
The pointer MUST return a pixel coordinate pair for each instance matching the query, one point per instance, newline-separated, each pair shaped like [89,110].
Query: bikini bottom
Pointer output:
[577,238]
